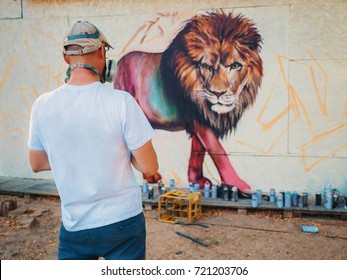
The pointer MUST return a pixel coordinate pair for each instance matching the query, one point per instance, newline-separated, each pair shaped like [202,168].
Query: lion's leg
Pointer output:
[197,155]
[215,149]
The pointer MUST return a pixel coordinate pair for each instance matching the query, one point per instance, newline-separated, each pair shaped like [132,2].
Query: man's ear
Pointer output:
[66,58]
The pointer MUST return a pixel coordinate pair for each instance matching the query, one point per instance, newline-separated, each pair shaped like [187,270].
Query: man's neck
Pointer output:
[81,76]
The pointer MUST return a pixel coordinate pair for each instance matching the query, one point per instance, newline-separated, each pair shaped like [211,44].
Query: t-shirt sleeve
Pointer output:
[34,142]
[137,129]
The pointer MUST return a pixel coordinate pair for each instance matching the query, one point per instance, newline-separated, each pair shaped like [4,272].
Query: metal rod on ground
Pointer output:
[192,238]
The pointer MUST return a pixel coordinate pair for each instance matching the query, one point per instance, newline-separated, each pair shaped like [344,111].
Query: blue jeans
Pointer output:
[124,240]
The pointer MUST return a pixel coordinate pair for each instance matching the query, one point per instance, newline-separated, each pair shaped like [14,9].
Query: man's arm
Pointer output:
[144,159]
[39,161]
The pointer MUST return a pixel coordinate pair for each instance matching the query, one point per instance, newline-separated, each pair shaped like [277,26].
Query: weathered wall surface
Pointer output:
[295,135]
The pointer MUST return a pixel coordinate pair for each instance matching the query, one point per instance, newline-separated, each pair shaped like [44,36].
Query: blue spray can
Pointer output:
[214,191]
[172,184]
[234,194]
[150,193]
[207,189]
[280,200]
[191,187]
[305,199]
[272,195]
[196,187]
[145,187]
[288,200]
[283,195]
[327,189]
[259,194]
[254,200]
[162,190]
[225,193]
[329,203]
[300,201]
[295,198]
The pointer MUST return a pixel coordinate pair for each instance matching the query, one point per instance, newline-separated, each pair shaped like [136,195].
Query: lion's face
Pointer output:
[216,60]
[222,78]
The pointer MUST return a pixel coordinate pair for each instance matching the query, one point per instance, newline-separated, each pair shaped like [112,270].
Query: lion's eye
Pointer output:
[206,66]
[236,66]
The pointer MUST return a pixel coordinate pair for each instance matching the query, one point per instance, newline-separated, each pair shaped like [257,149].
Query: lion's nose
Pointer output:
[218,93]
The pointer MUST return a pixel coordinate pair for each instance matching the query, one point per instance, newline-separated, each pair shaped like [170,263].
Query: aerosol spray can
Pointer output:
[335,200]
[300,201]
[207,186]
[191,187]
[172,184]
[225,193]
[327,189]
[305,199]
[287,201]
[283,196]
[196,187]
[145,187]
[254,200]
[272,195]
[279,200]
[160,185]
[150,193]
[234,194]
[162,190]
[259,194]
[295,198]
[318,199]
[329,201]
[214,191]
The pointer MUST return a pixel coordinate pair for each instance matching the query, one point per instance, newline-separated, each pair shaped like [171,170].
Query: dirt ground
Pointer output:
[31,232]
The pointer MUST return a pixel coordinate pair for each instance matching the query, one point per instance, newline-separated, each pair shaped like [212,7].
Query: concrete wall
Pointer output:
[293,138]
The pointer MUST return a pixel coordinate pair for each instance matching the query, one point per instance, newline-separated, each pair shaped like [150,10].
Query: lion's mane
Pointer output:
[179,66]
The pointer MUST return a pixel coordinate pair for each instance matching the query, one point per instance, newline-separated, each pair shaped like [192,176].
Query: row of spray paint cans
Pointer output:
[284,199]
[146,188]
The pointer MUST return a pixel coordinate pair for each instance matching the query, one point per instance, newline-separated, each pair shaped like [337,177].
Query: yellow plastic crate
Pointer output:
[177,206]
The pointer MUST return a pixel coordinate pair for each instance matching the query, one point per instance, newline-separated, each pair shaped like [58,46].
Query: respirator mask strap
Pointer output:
[108,75]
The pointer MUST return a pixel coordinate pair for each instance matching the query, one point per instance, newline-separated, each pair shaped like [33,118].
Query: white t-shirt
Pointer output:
[88,133]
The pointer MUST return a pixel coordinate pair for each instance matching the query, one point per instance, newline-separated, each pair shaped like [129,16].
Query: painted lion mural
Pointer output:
[202,83]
